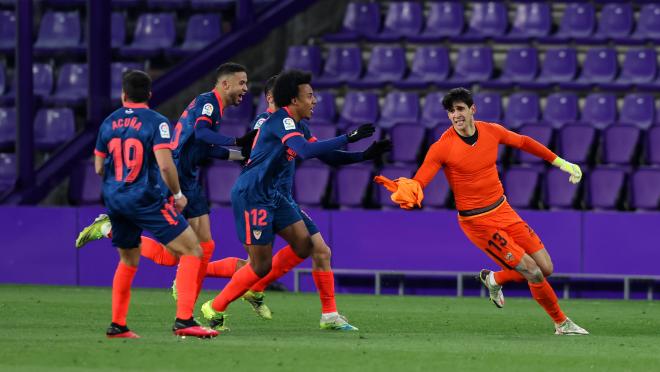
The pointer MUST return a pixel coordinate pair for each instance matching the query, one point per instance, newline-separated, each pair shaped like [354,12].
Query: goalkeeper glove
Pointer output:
[570,168]
[363,131]
[377,149]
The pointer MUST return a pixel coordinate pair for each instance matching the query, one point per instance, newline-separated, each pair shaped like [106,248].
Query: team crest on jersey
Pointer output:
[207,109]
[259,123]
[508,256]
[256,233]
[164,130]
[289,124]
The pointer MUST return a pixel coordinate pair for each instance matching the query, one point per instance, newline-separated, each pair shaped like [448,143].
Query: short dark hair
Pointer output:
[457,95]
[136,85]
[228,68]
[268,85]
[286,86]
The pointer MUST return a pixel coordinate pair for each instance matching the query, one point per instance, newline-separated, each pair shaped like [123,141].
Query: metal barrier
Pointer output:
[460,276]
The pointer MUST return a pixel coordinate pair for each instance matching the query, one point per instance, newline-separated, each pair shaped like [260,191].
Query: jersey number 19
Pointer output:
[130,154]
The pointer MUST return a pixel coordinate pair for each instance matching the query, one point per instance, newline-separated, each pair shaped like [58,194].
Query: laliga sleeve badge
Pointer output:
[259,123]
[207,109]
[164,130]
[289,124]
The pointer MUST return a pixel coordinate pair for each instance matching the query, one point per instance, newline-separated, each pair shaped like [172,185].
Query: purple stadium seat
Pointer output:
[521,65]
[437,132]
[542,134]
[638,109]
[407,139]
[600,66]
[430,64]
[444,19]
[59,32]
[639,67]
[559,193]
[616,21]
[7,31]
[359,108]
[489,106]
[489,19]
[645,188]
[604,186]
[648,23]
[363,144]
[323,130]
[473,65]
[117,70]
[575,142]
[577,21]
[559,66]
[433,113]
[71,89]
[561,108]
[325,109]
[532,20]
[361,19]
[386,64]
[243,113]
[599,109]
[7,172]
[351,184]
[392,172]
[403,19]
[437,192]
[42,75]
[523,107]
[343,64]
[653,146]
[399,107]
[520,186]
[202,5]
[620,144]
[201,30]
[304,57]
[118,30]
[311,181]
[53,127]
[220,178]
[7,128]
[153,33]
[85,186]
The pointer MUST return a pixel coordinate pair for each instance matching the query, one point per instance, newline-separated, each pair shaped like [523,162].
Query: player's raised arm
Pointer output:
[338,157]
[431,165]
[306,150]
[532,146]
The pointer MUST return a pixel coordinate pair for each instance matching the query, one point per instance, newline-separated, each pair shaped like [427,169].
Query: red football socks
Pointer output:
[505,276]
[224,268]
[156,252]
[325,283]
[546,297]
[121,292]
[237,286]
[285,260]
[186,286]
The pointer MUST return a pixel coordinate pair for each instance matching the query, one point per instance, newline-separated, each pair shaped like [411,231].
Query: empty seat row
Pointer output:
[475,65]
[52,128]
[61,32]
[352,186]
[579,22]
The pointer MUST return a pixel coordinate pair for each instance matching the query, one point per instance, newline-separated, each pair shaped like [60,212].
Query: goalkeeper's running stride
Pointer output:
[468,151]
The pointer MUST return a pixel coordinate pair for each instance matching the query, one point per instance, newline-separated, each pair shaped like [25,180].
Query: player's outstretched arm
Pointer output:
[338,157]
[219,152]
[207,135]
[307,150]
[572,169]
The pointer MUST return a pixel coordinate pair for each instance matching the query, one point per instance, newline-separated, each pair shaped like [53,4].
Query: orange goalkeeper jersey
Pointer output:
[471,169]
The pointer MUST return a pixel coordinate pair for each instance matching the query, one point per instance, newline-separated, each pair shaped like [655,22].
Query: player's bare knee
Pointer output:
[303,247]
[547,270]
[261,268]
[321,253]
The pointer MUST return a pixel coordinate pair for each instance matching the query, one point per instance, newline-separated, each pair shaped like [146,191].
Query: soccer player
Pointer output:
[196,138]
[467,152]
[132,148]
[321,253]
[260,208]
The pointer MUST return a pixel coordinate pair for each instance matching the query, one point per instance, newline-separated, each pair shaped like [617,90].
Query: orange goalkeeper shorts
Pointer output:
[502,235]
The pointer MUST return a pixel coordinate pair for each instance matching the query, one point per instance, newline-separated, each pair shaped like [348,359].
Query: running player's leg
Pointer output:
[127,241]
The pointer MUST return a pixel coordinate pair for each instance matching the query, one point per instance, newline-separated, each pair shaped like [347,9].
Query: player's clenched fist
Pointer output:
[570,168]
[363,131]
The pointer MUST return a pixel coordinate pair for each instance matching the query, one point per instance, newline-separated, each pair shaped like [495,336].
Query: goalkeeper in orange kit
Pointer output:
[467,153]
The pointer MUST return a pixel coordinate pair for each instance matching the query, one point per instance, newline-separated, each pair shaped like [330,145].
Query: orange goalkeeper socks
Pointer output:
[121,292]
[546,297]
[505,276]
[156,252]
[325,284]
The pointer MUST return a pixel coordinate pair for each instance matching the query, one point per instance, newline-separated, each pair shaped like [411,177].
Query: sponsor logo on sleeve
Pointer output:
[164,130]
[207,109]
[259,123]
[289,124]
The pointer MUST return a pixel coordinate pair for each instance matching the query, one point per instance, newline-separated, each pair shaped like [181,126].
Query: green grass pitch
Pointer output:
[62,328]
